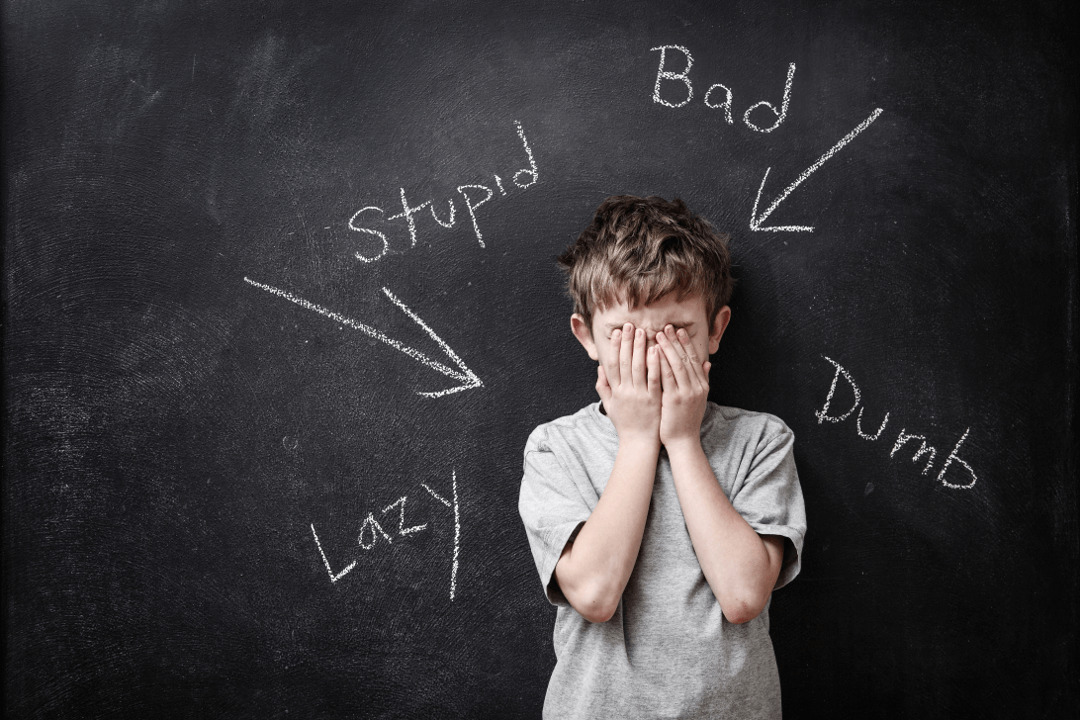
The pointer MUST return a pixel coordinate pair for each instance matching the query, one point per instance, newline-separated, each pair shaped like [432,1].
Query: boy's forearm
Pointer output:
[738,564]
[594,569]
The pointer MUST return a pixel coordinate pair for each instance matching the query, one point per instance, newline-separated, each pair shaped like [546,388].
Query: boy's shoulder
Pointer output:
[755,421]
[589,420]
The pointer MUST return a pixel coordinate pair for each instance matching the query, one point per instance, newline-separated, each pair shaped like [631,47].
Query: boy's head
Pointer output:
[649,262]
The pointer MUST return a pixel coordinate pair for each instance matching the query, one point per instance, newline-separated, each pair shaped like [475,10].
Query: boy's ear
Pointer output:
[583,333]
[723,317]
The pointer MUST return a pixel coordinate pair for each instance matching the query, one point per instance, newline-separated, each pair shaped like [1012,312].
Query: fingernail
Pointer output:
[627,327]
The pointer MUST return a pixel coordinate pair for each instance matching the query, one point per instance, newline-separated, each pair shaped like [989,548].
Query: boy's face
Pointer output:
[688,313]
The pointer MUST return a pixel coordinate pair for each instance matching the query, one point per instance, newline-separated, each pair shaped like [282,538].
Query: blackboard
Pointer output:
[264,403]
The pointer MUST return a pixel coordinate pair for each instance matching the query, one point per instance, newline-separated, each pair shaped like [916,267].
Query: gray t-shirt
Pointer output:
[668,652]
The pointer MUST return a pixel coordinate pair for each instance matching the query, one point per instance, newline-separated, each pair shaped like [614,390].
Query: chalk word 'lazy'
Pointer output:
[713,97]
[924,450]
[472,195]
[373,532]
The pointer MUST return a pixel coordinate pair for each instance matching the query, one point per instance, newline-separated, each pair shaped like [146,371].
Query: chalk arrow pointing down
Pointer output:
[463,374]
[757,220]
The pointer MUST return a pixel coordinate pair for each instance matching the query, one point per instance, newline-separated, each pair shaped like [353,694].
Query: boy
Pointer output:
[660,522]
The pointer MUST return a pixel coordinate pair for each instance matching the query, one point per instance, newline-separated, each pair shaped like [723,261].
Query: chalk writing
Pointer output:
[473,196]
[757,220]
[463,374]
[372,532]
[713,98]
[903,438]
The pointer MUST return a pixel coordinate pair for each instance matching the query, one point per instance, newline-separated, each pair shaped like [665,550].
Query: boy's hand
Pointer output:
[629,385]
[685,383]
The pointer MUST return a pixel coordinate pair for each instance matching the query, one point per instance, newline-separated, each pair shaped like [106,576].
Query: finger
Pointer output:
[638,361]
[653,363]
[693,365]
[667,377]
[626,355]
[611,365]
[603,389]
[674,357]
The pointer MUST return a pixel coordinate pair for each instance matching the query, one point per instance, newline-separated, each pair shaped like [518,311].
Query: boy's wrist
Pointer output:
[683,447]
[639,442]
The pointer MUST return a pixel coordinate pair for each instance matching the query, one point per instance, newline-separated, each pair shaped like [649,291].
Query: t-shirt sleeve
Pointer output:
[552,509]
[771,501]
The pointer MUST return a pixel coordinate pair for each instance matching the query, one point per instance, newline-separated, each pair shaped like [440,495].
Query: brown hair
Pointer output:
[638,250]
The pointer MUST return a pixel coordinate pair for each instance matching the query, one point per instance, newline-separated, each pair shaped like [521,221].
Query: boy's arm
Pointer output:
[740,566]
[593,570]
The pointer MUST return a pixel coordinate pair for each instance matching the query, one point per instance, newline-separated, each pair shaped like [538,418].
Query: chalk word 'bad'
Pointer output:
[472,196]
[718,96]
[924,450]
[374,533]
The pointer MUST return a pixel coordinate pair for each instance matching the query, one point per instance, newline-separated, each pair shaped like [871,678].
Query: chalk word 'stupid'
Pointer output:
[718,96]
[902,438]
[374,532]
[472,196]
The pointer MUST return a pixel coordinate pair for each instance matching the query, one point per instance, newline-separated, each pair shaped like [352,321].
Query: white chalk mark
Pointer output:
[662,74]
[371,524]
[407,212]
[949,461]
[449,224]
[436,495]
[757,220]
[464,375]
[858,425]
[903,437]
[772,108]
[333,577]
[823,413]
[369,231]
[472,207]
[402,530]
[457,529]
[532,169]
[725,106]
[498,183]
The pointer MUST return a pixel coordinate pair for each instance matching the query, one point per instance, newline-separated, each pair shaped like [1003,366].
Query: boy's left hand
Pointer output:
[685,388]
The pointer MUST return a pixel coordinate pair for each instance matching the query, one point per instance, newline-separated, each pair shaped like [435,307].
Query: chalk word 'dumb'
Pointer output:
[472,196]
[924,450]
[718,96]
[373,533]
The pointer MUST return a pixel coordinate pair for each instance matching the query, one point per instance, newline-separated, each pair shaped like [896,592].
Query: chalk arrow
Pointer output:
[463,375]
[757,220]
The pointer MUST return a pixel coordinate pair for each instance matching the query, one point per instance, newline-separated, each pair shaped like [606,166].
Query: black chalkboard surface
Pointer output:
[280,309]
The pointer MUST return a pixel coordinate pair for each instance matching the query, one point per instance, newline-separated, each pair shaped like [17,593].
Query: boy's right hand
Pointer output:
[628,382]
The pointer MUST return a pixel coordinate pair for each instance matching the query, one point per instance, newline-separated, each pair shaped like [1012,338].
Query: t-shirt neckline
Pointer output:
[603,422]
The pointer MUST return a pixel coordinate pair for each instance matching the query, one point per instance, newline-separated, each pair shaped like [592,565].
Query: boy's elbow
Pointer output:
[739,613]
[742,609]
[596,604]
